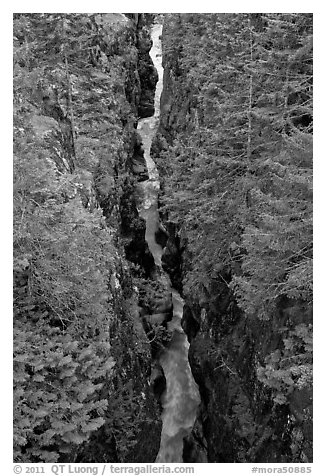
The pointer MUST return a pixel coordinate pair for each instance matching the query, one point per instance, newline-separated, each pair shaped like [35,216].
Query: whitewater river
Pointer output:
[181,399]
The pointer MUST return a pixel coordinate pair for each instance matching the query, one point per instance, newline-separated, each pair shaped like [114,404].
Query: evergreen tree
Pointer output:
[69,112]
[238,174]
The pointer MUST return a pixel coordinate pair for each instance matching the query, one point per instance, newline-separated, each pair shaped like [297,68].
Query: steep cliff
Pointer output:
[250,353]
[80,83]
[234,151]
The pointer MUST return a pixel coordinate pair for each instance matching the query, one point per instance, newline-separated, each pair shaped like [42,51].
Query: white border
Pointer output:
[319,199]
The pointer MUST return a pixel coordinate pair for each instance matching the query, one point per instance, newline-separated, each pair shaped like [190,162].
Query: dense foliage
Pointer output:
[74,113]
[237,172]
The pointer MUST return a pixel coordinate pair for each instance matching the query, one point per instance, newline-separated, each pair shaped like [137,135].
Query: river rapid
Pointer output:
[181,398]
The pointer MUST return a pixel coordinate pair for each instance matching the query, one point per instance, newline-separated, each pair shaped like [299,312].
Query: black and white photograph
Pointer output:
[162,241]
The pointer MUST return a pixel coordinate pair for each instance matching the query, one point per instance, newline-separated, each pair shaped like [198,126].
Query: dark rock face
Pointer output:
[161,236]
[156,311]
[190,324]
[140,94]
[158,380]
[133,229]
[116,183]
[147,74]
[171,260]
[139,168]
[195,447]
[238,420]
[110,163]
[158,305]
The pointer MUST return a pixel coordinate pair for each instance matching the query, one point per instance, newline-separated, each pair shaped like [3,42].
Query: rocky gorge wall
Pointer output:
[94,143]
[238,419]
[136,435]
[78,108]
